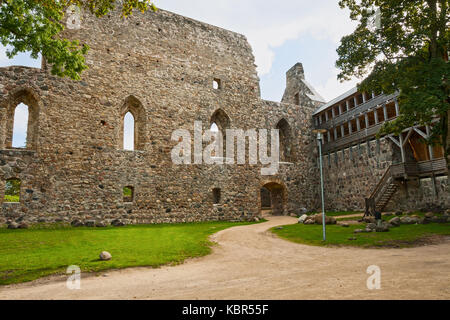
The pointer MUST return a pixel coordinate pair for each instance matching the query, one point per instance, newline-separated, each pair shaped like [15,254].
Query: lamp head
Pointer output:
[320,133]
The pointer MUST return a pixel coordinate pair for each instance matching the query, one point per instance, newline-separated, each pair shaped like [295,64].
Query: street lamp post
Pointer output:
[320,133]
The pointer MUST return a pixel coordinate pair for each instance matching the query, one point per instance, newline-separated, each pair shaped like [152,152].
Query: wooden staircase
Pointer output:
[390,182]
[382,193]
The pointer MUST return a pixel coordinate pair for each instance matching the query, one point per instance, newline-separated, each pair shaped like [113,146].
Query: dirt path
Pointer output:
[251,263]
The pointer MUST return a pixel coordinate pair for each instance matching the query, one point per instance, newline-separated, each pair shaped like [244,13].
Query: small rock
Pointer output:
[279,228]
[23,225]
[117,223]
[429,215]
[76,223]
[105,256]
[345,224]
[100,224]
[382,228]
[90,223]
[13,225]
[371,226]
[369,219]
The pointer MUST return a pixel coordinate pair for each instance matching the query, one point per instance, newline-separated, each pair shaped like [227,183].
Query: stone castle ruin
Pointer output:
[167,71]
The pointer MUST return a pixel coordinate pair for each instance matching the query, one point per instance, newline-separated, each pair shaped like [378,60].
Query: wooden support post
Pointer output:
[397,108]
[328,136]
[402,149]
[333,112]
[355,100]
[350,127]
[358,124]
[335,134]
[347,105]
[430,148]
[433,182]
[326,116]
[385,114]
[342,130]
[340,109]
[375,114]
[366,118]
[364,97]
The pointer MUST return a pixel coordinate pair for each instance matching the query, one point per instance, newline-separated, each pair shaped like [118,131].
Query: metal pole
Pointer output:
[319,139]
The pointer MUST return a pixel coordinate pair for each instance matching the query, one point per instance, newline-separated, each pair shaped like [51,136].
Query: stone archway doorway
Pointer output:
[273,199]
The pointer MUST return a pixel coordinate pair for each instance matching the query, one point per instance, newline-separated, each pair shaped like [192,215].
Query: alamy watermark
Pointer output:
[214,152]
[374,281]
[73,282]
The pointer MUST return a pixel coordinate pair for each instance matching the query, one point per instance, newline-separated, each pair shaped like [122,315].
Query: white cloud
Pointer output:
[332,88]
[267,25]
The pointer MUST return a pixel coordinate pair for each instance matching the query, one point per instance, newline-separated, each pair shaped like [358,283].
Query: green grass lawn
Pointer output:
[403,236]
[9,198]
[29,254]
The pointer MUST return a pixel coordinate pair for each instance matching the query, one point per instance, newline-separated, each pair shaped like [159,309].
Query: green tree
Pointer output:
[34,26]
[403,46]
[12,187]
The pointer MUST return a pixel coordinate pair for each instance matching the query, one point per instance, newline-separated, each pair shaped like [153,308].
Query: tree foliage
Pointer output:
[403,46]
[34,25]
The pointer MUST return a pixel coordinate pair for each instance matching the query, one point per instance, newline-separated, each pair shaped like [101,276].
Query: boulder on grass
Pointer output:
[76,223]
[23,225]
[90,223]
[395,221]
[117,223]
[105,256]
[406,220]
[100,224]
[318,219]
[302,218]
[13,225]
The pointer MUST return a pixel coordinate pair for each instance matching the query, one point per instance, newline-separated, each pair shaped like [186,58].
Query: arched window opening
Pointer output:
[128,194]
[286,149]
[132,131]
[217,84]
[216,195]
[128,131]
[20,126]
[221,122]
[21,121]
[12,190]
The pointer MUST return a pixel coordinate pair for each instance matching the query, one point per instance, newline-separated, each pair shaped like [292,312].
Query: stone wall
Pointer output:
[161,67]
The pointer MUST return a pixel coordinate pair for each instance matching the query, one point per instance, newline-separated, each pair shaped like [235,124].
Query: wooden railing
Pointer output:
[403,171]
[360,109]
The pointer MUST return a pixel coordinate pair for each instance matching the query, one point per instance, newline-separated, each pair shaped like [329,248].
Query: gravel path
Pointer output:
[251,263]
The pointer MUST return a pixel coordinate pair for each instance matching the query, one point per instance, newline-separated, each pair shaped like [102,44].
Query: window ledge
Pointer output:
[12,152]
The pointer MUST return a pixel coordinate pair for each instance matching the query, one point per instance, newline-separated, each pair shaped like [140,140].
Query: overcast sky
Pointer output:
[281,34]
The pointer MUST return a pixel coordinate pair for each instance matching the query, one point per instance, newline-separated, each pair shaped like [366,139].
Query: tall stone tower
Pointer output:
[298,90]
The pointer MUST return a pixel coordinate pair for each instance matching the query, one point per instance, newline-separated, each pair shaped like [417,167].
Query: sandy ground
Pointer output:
[251,263]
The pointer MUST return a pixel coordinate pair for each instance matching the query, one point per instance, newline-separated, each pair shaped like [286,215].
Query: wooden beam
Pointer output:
[408,136]
[430,148]
[394,140]
[400,138]
[423,134]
